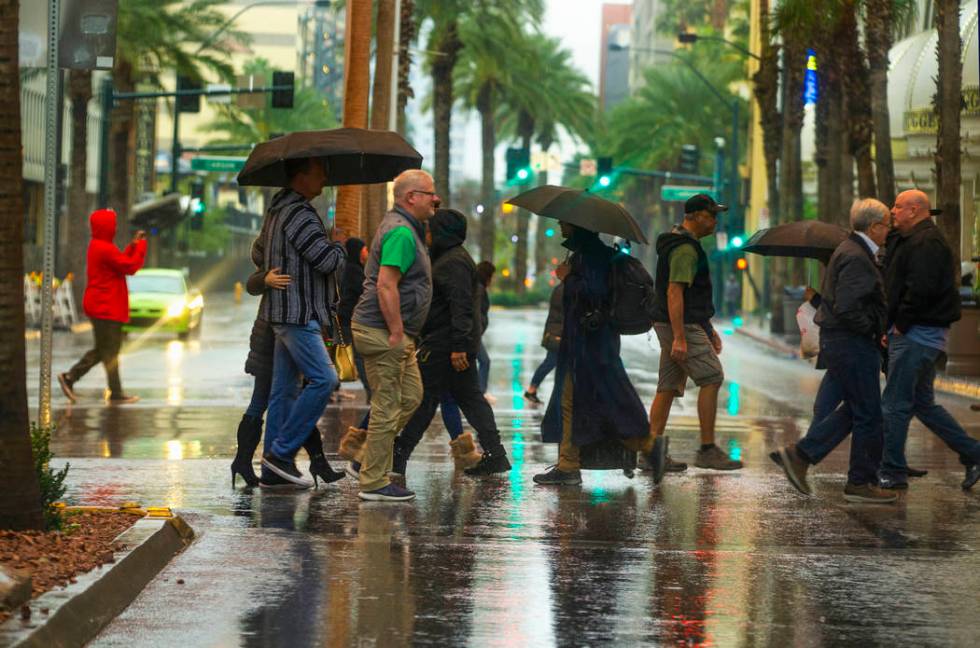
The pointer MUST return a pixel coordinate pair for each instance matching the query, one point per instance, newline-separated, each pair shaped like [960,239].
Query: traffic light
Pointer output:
[737,241]
[282,98]
[188,103]
[604,171]
[741,264]
[518,165]
[690,157]
[198,205]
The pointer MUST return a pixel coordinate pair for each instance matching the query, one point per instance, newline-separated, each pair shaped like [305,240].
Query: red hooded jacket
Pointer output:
[106,294]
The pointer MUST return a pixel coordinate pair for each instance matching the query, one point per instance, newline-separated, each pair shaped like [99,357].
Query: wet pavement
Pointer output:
[705,559]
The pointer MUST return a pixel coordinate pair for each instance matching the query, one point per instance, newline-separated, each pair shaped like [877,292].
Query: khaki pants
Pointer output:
[393,374]
[568,453]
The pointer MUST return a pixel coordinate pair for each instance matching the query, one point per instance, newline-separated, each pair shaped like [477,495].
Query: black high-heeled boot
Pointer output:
[319,466]
[249,434]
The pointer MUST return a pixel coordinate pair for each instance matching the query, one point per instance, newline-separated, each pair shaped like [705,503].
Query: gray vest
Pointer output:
[414,289]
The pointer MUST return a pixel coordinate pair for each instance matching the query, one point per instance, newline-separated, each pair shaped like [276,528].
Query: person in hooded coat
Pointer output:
[593,400]
[450,343]
[106,303]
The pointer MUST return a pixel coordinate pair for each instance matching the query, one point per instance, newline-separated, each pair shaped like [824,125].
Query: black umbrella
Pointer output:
[580,208]
[352,155]
[807,239]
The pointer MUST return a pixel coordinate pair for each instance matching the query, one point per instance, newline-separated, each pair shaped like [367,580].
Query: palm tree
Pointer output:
[377,195]
[20,497]
[357,86]
[406,36]
[79,93]
[949,91]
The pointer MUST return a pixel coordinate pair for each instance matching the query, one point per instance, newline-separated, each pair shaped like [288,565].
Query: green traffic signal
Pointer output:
[523,174]
[605,181]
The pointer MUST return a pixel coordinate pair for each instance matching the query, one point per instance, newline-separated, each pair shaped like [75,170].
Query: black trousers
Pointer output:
[438,378]
[108,340]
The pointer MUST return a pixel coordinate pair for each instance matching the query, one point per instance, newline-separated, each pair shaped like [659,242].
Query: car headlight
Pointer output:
[197,302]
[175,309]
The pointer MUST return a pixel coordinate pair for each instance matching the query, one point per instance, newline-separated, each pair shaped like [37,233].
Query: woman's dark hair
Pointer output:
[484,272]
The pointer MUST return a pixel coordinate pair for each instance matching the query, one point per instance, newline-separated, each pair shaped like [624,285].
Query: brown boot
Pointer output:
[463,449]
[351,443]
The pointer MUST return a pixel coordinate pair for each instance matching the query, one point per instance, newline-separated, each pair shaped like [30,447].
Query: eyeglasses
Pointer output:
[427,193]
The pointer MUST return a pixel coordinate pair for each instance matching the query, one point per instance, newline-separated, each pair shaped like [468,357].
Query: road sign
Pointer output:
[217,164]
[678,193]
[219,87]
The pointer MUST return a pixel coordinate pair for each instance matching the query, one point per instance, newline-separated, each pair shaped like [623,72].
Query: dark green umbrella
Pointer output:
[808,239]
[582,209]
[353,156]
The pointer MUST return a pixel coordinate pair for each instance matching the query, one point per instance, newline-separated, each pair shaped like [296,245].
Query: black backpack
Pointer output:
[631,295]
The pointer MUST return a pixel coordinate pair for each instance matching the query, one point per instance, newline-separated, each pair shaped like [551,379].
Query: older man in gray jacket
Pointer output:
[852,320]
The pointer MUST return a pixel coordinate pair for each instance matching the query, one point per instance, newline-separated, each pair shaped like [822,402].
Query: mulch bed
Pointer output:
[55,558]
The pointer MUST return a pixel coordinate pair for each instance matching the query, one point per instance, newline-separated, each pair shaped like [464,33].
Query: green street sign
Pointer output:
[217,164]
[678,193]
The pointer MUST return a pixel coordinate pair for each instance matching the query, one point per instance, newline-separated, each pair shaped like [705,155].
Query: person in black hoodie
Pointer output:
[351,287]
[921,284]
[449,344]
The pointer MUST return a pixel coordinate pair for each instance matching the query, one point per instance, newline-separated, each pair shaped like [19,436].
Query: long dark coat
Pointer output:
[605,404]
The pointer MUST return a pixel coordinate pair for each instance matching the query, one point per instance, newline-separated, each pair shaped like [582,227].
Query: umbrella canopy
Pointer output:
[353,156]
[808,239]
[580,208]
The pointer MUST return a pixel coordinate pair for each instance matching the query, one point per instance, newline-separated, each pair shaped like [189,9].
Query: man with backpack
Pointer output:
[682,311]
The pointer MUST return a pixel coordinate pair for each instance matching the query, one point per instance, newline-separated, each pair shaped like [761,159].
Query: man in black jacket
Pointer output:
[852,320]
[450,342]
[921,282]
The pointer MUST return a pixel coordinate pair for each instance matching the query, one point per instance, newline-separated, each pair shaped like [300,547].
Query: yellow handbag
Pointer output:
[341,351]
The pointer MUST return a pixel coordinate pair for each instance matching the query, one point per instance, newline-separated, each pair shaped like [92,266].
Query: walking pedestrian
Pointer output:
[851,318]
[484,273]
[593,400]
[689,345]
[351,288]
[386,323]
[297,242]
[550,339]
[921,285]
[733,296]
[447,354]
[106,303]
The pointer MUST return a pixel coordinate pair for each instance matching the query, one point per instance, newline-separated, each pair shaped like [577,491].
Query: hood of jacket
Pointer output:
[353,247]
[103,224]
[448,228]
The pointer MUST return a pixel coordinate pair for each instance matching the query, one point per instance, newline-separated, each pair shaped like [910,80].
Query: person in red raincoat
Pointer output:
[106,302]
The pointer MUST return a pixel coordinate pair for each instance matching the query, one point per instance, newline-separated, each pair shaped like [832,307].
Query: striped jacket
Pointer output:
[294,240]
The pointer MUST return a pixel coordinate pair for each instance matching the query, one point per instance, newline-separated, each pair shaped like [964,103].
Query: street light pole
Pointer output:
[688,37]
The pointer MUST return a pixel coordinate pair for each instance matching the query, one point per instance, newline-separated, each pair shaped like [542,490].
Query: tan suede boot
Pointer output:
[463,449]
[351,443]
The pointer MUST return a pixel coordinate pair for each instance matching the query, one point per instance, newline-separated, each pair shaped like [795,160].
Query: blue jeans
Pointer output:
[547,365]
[908,393]
[849,401]
[293,411]
[451,416]
[482,368]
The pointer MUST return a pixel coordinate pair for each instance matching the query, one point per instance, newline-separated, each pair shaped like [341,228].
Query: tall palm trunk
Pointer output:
[122,141]
[878,25]
[447,49]
[856,79]
[525,129]
[488,144]
[541,239]
[20,498]
[949,90]
[406,36]
[377,195]
[357,84]
[80,93]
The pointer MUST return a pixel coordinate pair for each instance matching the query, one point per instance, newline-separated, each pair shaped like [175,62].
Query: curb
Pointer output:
[946,384]
[77,613]
[81,327]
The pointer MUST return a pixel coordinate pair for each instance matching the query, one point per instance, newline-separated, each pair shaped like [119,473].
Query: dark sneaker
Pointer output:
[123,400]
[286,469]
[794,466]
[390,493]
[674,466]
[272,481]
[867,494]
[555,477]
[972,475]
[489,465]
[714,459]
[891,482]
[915,472]
[533,397]
[66,387]
[657,459]
[353,469]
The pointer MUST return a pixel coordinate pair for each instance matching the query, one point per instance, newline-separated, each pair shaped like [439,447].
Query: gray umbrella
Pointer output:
[582,209]
[352,155]
[808,239]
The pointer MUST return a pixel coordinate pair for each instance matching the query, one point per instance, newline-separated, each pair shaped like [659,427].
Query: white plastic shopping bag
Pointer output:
[809,331]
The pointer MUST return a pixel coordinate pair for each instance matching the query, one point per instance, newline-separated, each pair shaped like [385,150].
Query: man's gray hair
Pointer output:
[867,212]
[408,181]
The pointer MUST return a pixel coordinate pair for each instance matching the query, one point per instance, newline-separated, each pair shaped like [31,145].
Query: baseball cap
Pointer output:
[704,202]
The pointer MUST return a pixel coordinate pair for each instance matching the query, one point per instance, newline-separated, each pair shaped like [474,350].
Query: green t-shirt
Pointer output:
[683,261]
[398,249]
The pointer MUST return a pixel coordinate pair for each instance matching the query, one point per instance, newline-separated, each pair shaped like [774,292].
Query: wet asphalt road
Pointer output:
[707,558]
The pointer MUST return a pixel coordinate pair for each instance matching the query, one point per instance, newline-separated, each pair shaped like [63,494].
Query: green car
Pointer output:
[159,301]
